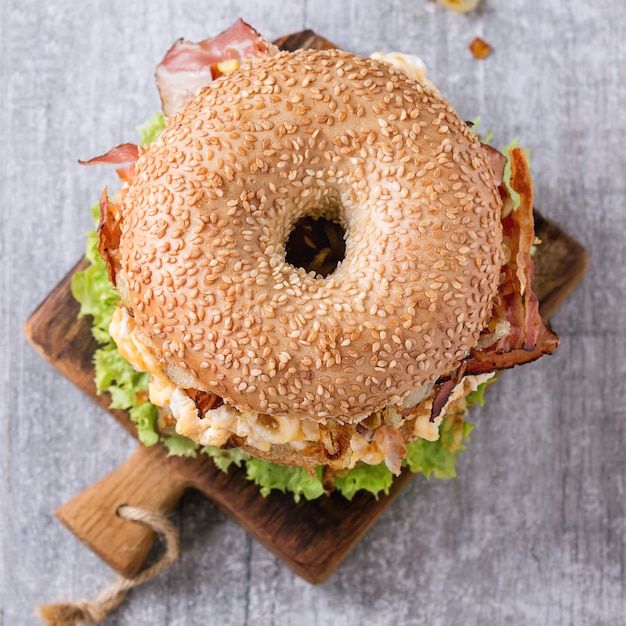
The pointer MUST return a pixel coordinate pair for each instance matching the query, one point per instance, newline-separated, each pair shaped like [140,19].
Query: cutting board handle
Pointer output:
[146,480]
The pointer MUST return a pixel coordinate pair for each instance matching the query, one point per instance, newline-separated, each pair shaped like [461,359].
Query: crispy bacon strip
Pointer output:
[110,231]
[491,361]
[124,153]
[204,401]
[187,66]
[127,173]
[516,305]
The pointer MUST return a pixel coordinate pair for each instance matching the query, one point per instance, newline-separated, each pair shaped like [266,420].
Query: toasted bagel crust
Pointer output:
[215,198]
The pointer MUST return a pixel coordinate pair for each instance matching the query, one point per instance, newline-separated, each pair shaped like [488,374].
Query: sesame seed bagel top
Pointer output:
[215,198]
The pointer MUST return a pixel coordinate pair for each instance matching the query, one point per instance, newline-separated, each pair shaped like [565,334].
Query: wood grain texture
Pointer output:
[532,530]
[145,480]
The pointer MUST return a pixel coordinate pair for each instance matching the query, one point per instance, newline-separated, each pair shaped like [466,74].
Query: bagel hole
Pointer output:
[316,244]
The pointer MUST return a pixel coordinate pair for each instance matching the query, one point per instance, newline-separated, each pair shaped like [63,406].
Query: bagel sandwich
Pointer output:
[317,264]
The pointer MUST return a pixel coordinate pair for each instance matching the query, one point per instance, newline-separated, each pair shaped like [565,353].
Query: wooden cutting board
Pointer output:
[312,538]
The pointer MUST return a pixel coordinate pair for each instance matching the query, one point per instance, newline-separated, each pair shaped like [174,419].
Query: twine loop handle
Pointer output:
[95,611]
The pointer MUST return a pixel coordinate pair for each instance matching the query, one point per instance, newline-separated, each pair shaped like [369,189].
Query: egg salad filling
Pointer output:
[216,426]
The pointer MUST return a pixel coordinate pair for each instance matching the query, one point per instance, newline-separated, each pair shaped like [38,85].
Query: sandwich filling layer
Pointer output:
[258,432]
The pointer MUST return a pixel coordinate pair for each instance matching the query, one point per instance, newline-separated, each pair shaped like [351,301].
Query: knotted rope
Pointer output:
[94,611]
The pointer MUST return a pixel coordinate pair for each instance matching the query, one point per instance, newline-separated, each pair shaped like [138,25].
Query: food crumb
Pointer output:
[480,48]
[460,6]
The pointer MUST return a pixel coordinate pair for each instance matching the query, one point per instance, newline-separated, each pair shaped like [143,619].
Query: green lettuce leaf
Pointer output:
[478,395]
[177,445]
[223,459]
[94,292]
[115,375]
[297,480]
[376,479]
[151,129]
[437,458]
[144,415]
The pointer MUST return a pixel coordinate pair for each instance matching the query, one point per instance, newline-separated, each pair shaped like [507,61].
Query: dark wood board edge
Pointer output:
[304,40]
[311,537]
[561,262]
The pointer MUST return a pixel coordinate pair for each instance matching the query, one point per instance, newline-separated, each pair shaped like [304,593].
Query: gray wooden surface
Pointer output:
[532,531]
